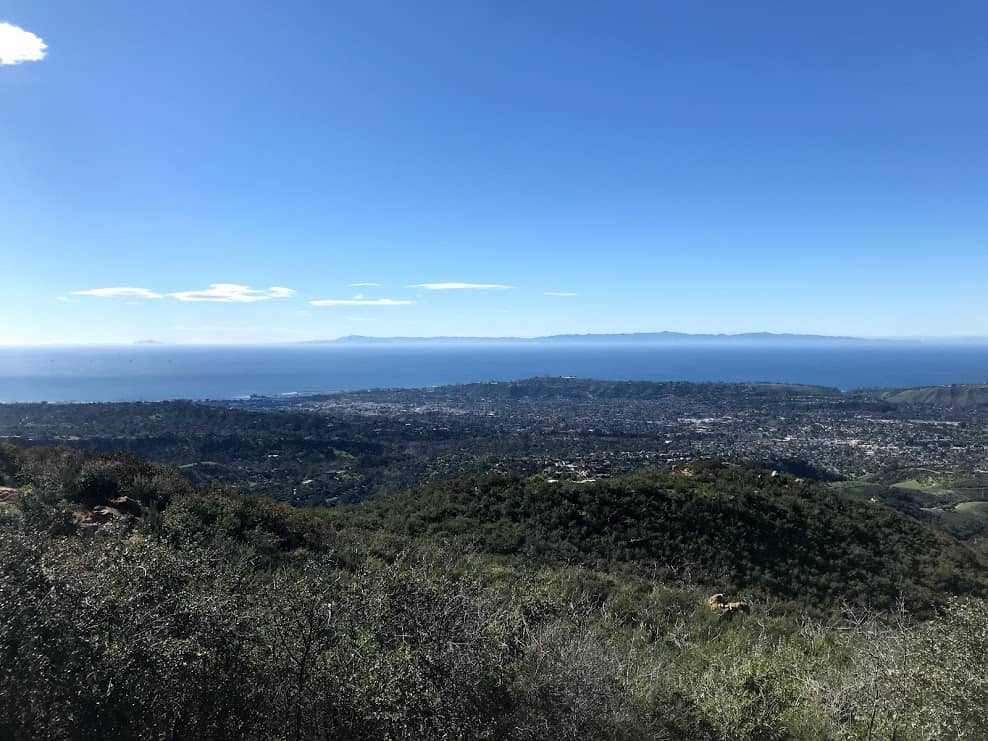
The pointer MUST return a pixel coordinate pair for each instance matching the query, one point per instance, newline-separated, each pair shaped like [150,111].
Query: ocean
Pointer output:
[152,372]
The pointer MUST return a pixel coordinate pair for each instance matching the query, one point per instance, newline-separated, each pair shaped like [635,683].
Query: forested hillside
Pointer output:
[135,604]
[742,529]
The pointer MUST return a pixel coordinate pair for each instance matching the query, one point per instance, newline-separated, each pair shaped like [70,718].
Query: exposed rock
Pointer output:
[727,608]
[127,504]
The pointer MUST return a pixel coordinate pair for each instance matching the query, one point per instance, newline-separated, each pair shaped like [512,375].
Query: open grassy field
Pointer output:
[978,508]
[913,484]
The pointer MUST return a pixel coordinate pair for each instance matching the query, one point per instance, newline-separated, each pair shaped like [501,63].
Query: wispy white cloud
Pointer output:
[365,285]
[361,302]
[63,299]
[230,293]
[118,292]
[559,293]
[461,286]
[233,293]
[18,45]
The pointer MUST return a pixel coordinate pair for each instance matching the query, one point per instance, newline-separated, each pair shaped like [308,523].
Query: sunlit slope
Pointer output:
[959,396]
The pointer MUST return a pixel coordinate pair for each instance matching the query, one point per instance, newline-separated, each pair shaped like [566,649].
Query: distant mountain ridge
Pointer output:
[664,337]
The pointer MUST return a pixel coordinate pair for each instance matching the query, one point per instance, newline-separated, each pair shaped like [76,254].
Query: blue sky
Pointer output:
[714,167]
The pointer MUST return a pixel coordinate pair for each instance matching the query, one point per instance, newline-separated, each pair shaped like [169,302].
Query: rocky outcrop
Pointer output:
[727,608]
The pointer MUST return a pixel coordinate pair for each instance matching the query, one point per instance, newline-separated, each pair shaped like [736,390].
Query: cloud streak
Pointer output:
[567,294]
[365,285]
[361,302]
[18,45]
[461,286]
[233,293]
[118,292]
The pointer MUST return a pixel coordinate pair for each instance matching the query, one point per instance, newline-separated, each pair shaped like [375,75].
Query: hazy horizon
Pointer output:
[767,337]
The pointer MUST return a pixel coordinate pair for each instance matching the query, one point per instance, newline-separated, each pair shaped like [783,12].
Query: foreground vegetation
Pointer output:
[134,604]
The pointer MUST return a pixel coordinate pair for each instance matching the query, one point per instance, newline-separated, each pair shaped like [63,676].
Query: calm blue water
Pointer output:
[161,372]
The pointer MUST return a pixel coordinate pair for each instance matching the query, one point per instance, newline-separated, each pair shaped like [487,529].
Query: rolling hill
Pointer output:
[958,396]
[736,529]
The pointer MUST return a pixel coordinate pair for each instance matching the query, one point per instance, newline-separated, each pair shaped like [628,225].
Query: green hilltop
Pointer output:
[959,396]
[739,529]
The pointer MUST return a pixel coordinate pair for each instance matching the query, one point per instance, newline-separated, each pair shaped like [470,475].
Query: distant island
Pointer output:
[669,338]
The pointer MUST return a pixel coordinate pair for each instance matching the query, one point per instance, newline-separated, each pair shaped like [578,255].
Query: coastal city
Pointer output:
[588,429]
